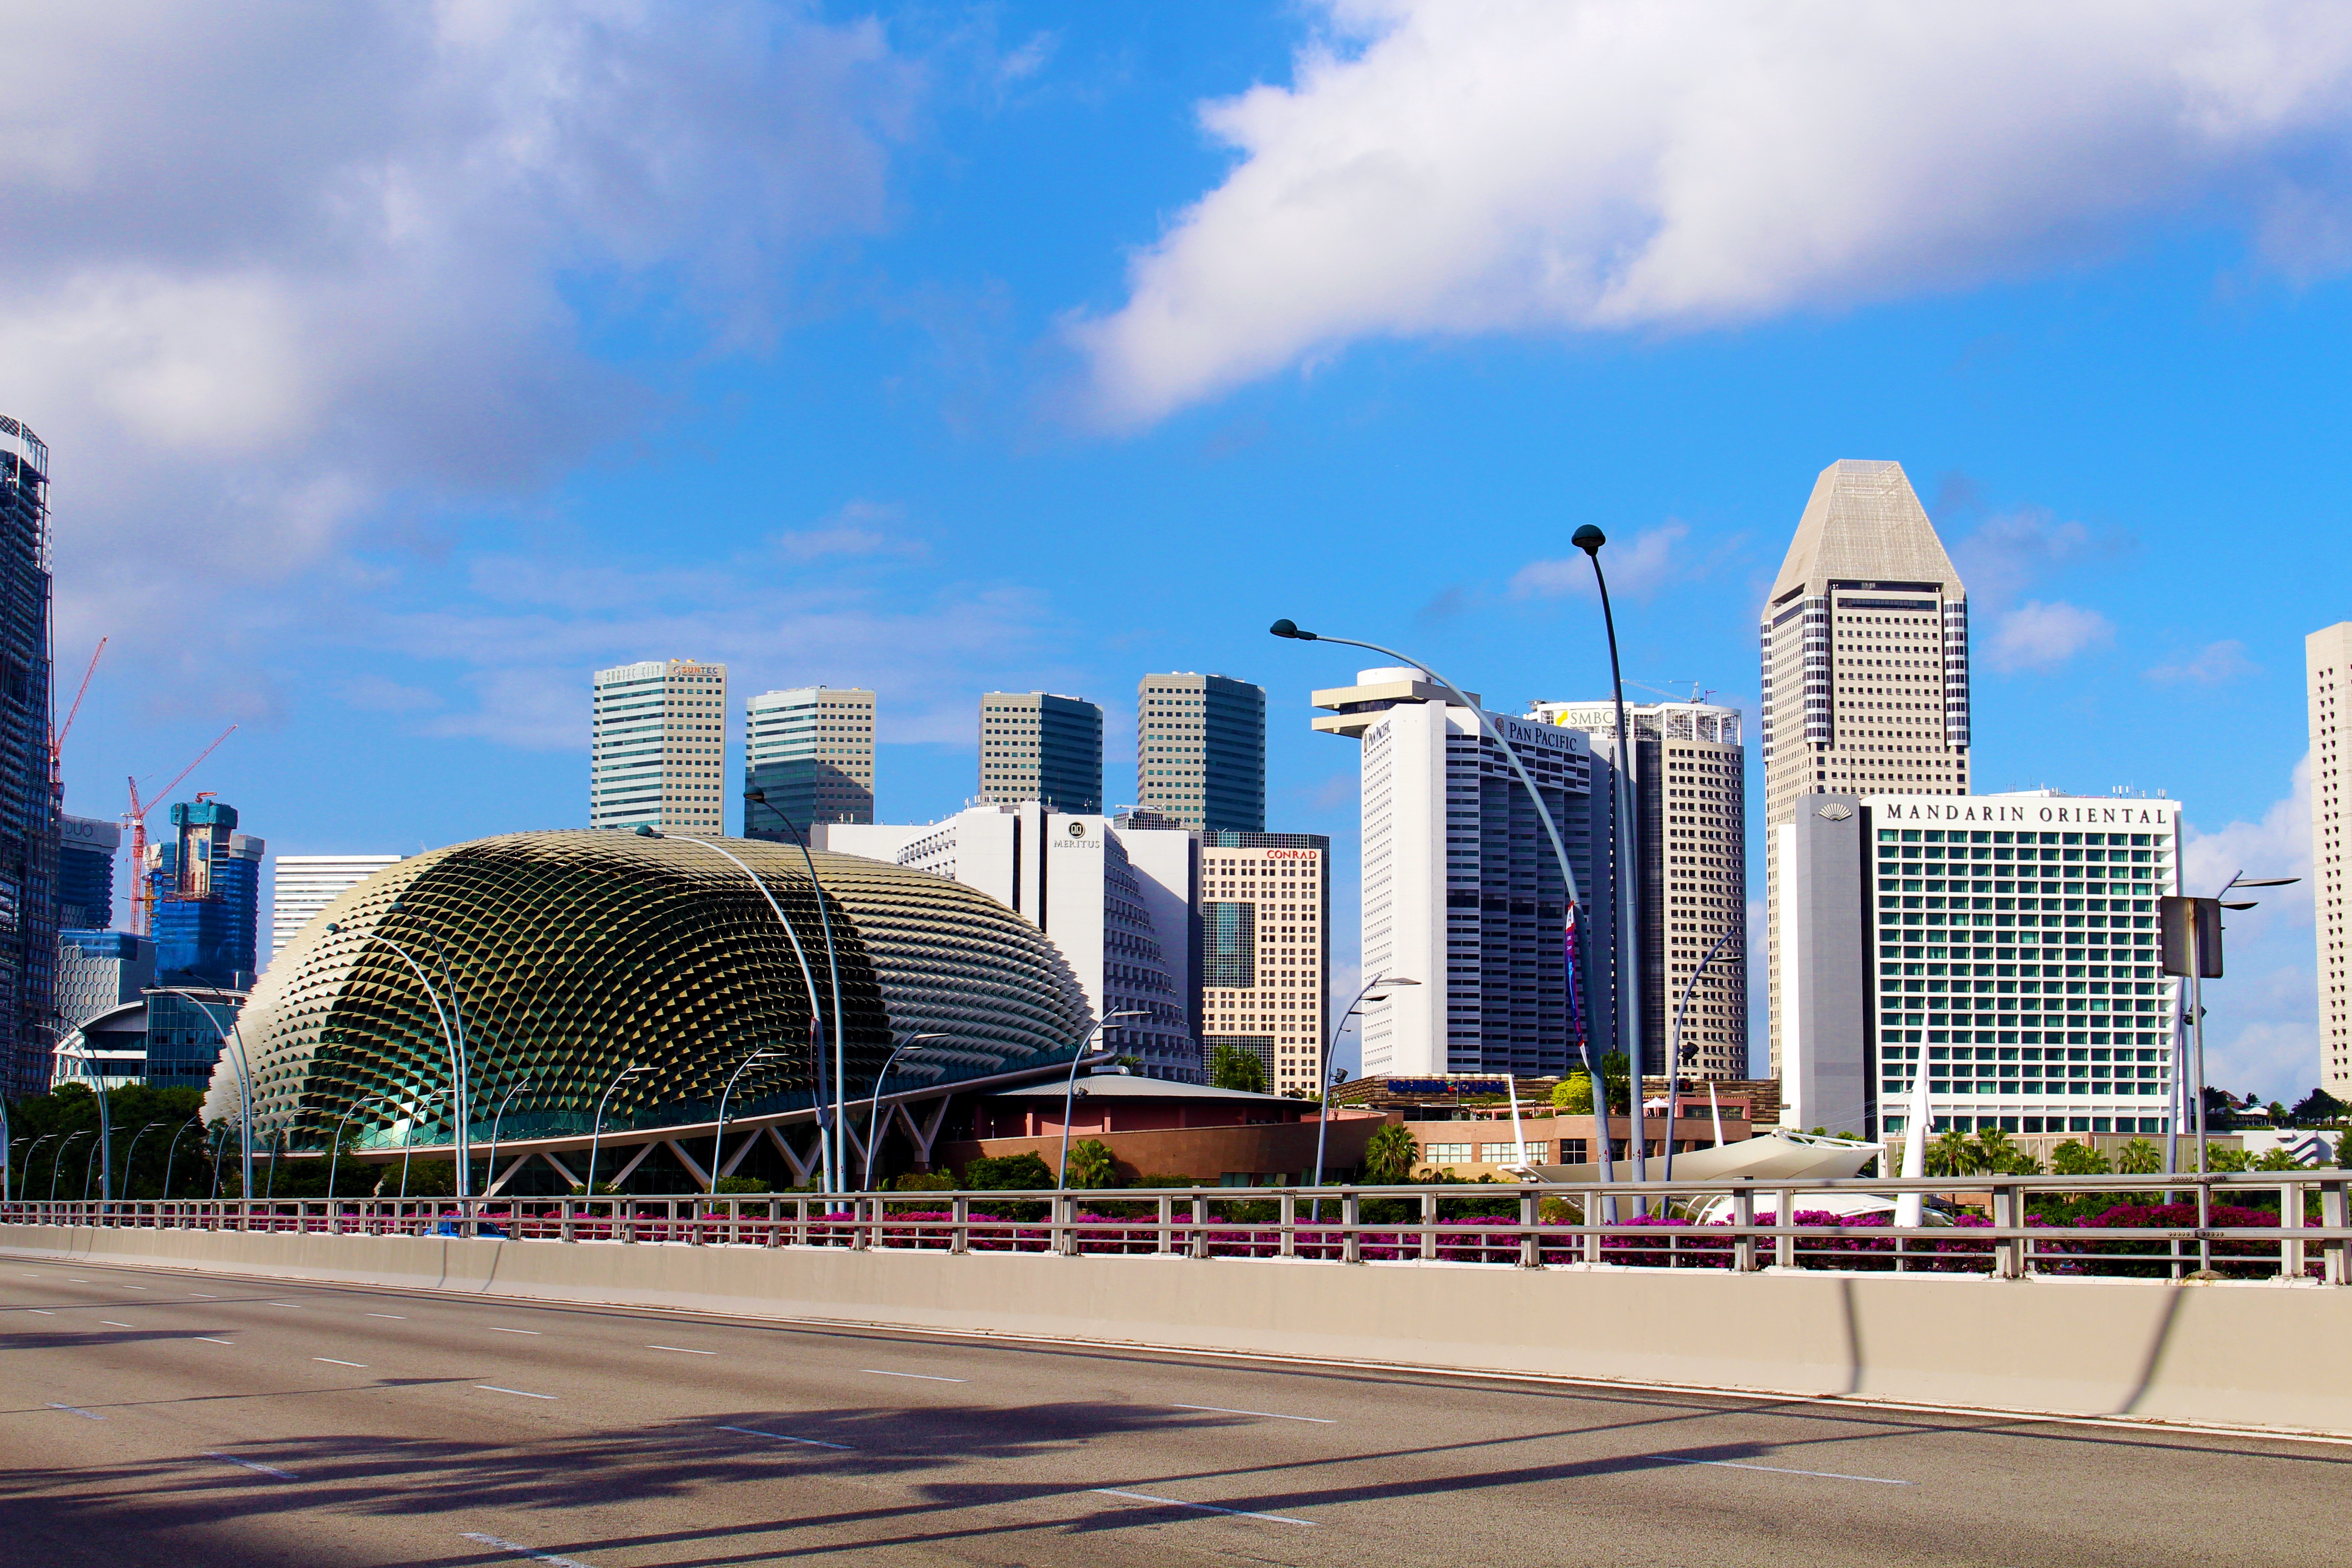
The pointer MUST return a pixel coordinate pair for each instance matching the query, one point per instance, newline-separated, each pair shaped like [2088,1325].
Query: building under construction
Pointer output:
[28,792]
[207,883]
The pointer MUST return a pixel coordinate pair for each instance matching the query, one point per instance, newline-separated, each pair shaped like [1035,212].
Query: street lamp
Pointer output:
[1289,628]
[833,969]
[173,1153]
[88,1061]
[244,1079]
[808,980]
[1323,1074]
[719,1136]
[59,1159]
[596,1133]
[490,1169]
[1070,1089]
[874,1112]
[335,1156]
[1675,1054]
[128,1155]
[2196,1009]
[453,1041]
[1626,831]
[30,1150]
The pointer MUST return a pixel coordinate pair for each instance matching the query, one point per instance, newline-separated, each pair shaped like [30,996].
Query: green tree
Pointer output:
[1953,1154]
[2139,1158]
[1230,1066]
[1997,1153]
[1009,1174]
[2073,1159]
[1572,1095]
[731,1185]
[2277,1160]
[2219,1157]
[1390,1155]
[1092,1165]
[2316,1107]
[924,1182]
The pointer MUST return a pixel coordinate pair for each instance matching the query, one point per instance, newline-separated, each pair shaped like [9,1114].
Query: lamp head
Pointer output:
[2266,881]
[2244,906]
[1286,628]
[1589,539]
[646,831]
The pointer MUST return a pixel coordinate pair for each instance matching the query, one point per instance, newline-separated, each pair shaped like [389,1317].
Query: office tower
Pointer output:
[809,752]
[658,747]
[85,851]
[29,797]
[1462,893]
[207,886]
[305,884]
[1865,649]
[2327,664]
[1117,901]
[98,970]
[1689,776]
[1199,751]
[1265,951]
[1036,746]
[2008,941]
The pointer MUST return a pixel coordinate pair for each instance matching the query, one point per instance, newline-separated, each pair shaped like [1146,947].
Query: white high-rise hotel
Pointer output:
[657,747]
[2327,668]
[1865,682]
[302,885]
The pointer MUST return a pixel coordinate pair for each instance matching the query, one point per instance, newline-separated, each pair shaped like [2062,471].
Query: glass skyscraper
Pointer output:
[657,747]
[808,753]
[29,794]
[207,899]
[1199,751]
[1036,746]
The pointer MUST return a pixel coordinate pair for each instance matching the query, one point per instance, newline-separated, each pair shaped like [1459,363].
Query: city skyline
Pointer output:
[887,415]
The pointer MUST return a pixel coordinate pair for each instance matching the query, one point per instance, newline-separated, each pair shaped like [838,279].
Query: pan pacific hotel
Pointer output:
[2006,943]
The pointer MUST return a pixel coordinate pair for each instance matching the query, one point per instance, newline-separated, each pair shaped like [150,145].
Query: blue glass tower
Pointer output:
[29,794]
[207,899]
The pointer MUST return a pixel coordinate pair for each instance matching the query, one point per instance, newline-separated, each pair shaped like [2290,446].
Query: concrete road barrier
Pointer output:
[2275,1356]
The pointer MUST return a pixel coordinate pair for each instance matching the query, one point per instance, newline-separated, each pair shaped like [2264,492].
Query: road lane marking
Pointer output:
[210,1341]
[40,1313]
[494,1329]
[78,1410]
[111,1323]
[200,1296]
[250,1465]
[1203,1506]
[281,1303]
[1269,1414]
[77,1281]
[782,1437]
[680,1350]
[395,1316]
[527,1393]
[925,1376]
[331,1361]
[547,1557]
[1777,1470]
[134,1287]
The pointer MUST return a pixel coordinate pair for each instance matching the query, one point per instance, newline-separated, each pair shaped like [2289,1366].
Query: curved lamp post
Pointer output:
[808,980]
[1675,1052]
[336,1154]
[718,1137]
[452,1039]
[1626,832]
[596,1133]
[1323,1074]
[1070,1089]
[2197,1002]
[129,1153]
[491,1170]
[244,1080]
[833,969]
[88,1060]
[874,1112]
[59,1159]
[30,1150]
[7,1153]
[173,1153]
[1288,629]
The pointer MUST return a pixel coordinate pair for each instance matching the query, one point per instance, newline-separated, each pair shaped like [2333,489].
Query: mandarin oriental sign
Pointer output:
[2036,812]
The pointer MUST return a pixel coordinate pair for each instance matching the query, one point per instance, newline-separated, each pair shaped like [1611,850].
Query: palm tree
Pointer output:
[1951,1156]
[1091,1164]
[2139,1158]
[1996,1152]
[1390,1155]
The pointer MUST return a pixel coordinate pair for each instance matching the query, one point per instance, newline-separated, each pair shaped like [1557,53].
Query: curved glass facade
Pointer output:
[574,955]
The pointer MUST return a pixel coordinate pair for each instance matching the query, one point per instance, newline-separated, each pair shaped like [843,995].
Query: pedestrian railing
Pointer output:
[2266,1225]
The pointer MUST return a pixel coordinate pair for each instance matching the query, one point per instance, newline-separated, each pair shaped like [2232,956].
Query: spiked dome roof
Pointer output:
[573,955]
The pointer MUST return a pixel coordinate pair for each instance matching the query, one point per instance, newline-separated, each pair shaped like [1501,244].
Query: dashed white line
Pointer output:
[331,1361]
[200,1296]
[77,1281]
[924,1376]
[536,1556]
[251,1465]
[210,1341]
[78,1410]
[134,1287]
[282,1304]
[680,1350]
[40,1313]
[1269,1414]
[1203,1506]
[111,1323]
[783,1437]
[496,1330]
[1776,1469]
[527,1393]
[395,1316]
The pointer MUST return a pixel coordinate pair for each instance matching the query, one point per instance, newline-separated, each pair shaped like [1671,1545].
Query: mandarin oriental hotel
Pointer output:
[2007,943]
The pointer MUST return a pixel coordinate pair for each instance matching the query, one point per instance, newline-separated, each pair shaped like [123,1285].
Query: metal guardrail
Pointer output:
[1997,1225]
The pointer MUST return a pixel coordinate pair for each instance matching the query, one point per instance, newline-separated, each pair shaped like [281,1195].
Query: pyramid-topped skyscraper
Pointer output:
[1865,645]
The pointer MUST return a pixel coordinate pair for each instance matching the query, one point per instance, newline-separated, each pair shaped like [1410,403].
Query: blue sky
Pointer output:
[402,366]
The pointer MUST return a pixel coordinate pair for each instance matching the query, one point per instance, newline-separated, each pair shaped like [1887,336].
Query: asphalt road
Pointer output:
[152,1416]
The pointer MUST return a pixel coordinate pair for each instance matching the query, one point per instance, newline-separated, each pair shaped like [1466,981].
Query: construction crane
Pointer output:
[58,733]
[142,897]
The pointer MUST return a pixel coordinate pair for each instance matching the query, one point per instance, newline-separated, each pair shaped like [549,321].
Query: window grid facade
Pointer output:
[1266,902]
[657,747]
[810,751]
[1034,745]
[2327,660]
[1199,751]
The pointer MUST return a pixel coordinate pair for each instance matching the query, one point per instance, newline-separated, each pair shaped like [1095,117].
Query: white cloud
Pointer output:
[1436,169]
[1637,570]
[2036,635]
[268,266]
[2008,555]
[2215,663]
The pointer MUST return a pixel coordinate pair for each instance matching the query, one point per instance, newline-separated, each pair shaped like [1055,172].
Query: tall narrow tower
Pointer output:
[1199,751]
[1865,647]
[2327,667]
[657,747]
[29,804]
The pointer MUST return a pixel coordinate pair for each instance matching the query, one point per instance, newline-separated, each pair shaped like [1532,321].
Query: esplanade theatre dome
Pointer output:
[574,955]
